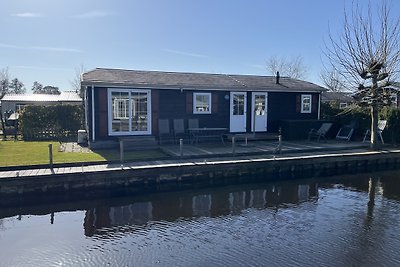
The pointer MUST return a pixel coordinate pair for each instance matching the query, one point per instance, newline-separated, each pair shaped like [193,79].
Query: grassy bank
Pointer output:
[33,153]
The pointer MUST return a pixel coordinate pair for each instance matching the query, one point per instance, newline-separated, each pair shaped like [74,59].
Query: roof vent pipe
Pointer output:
[277,77]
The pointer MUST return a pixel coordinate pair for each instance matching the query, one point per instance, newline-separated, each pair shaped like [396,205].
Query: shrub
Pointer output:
[50,122]
[392,132]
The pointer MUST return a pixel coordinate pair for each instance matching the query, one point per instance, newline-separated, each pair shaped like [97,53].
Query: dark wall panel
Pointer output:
[174,104]
[286,106]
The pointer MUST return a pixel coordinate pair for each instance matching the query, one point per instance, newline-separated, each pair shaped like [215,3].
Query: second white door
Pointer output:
[259,112]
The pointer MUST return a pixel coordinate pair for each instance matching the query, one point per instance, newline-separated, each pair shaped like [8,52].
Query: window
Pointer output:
[342,105]
[129,112]
[202,103]
[305,103]
[238,104]
[121,107]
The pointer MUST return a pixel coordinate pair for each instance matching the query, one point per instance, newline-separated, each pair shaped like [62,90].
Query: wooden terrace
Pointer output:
[257,147]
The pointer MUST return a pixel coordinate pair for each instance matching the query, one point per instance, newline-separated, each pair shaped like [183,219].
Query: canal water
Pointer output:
[337,221]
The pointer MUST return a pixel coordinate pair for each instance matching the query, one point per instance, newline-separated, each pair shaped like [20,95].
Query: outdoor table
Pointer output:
[206,132]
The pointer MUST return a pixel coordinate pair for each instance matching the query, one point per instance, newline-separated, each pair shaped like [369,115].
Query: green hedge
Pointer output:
[51,122]
[392,132]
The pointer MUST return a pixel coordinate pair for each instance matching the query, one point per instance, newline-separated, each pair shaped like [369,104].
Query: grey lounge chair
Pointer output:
[381,127]
[321,132]
[193,123]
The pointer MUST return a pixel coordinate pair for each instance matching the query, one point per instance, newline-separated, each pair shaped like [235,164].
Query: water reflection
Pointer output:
[343,221]
[180,205]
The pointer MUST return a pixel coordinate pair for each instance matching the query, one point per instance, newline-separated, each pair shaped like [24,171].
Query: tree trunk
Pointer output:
[374,113]
[374,127]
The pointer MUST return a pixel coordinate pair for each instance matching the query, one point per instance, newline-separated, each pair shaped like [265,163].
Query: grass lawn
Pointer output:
[32,153]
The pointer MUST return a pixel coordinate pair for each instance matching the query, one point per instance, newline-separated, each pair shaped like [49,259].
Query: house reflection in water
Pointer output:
[179,205]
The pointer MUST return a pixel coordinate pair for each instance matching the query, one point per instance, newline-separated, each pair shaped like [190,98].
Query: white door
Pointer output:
[238,112]
[259,112]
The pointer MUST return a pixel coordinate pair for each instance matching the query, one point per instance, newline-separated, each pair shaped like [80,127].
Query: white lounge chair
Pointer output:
[381,127]
[321,132]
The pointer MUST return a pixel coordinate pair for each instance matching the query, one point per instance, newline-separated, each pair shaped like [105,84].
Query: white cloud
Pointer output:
[28,15]
[55,49]
[94,14]
[42,48]
[184,53]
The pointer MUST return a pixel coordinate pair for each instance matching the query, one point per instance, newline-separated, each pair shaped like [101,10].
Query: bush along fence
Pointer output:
[59,122]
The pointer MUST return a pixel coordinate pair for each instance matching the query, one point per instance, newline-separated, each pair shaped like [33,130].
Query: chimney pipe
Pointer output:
[277,77]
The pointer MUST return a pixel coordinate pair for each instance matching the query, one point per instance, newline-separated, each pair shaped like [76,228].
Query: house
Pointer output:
[340,99]
[13,103]
[131,102]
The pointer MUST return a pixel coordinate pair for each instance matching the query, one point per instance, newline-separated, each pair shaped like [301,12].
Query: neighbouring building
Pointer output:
[13,103]
[339,99]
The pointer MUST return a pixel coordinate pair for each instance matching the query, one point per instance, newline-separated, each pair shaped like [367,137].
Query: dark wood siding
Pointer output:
[155,102]
[102,119]
[189,102]
[287,106]
[177,104]
[174,104]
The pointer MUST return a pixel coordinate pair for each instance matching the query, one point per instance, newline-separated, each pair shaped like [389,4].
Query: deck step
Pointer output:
[139,143]
[130,143]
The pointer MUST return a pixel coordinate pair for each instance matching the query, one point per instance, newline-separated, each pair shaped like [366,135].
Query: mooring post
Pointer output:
[280,141]
[121,151]
[233,145]
[181,147]
[51,156]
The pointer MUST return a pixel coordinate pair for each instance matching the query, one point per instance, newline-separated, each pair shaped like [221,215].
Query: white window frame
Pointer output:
[118,111]
[110,111]
[195,111]
[303,98]
[343,105]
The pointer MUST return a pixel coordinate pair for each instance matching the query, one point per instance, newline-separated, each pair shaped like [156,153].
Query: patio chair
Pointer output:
[345,132]
[193,123]
[321,132]
[179,129]
[164,131]
[381,127]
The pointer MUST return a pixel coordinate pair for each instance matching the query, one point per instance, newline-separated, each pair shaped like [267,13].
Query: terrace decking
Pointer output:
[200,165]
[196,153]
[257,148]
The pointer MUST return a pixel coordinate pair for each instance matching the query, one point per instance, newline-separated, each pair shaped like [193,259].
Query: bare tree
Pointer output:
[332,80]
[4,82]
[76,82]
[293,67]
[367,53]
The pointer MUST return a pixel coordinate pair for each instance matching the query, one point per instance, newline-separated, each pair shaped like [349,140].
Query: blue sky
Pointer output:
[48,40]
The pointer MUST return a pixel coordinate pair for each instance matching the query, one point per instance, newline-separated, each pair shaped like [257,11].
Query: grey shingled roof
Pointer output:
[196,81]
